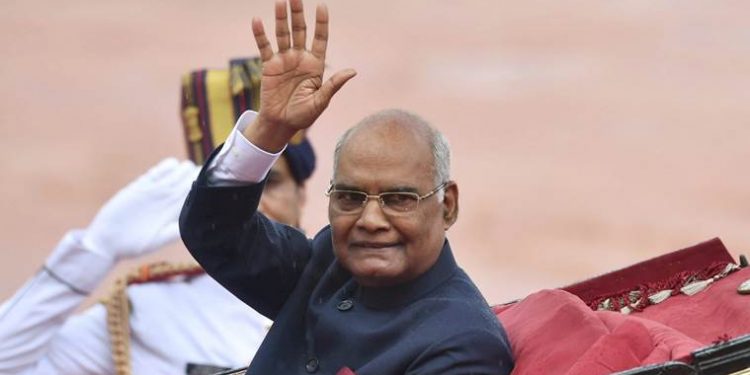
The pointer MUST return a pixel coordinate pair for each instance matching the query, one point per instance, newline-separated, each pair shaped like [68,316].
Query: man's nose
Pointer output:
[372,217]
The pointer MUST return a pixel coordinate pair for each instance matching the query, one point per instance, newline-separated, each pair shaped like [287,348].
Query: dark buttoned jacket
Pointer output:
[324,321]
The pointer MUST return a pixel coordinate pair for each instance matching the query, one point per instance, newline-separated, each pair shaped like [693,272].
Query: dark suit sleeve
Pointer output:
[256,259]
[471,352]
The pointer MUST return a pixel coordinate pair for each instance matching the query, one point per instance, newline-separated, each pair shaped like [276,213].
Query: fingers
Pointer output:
[282,26]
[332,85]
[299,29]
[320,41]
[264,46]
[298,37]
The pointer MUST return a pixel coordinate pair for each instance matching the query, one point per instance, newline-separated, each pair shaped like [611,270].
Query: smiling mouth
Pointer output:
[373,246]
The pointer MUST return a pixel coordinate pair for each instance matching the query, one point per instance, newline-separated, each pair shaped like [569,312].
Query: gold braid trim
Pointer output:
[118,306]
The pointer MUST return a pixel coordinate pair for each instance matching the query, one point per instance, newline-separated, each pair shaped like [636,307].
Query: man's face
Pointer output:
[380,248]
[282,198]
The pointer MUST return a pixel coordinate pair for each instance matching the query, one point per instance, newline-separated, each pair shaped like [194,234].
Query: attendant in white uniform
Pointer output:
[180,325]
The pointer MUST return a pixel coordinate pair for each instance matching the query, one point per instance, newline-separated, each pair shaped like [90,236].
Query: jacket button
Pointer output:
[311,365]
[345,305]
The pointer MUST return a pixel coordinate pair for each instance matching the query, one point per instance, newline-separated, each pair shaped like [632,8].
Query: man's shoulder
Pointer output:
[323,237]
[168,286]
[174,288]
[461,323]
[461,287]
[455,298]
[180,301]
[458,300]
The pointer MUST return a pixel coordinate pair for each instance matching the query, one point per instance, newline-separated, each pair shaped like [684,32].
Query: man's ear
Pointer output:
[450,205]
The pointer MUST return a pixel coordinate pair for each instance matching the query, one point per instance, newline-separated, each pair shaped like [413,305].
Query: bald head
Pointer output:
[397,123]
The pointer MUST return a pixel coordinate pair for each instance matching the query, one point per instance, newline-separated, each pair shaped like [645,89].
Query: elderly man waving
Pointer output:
[376,292]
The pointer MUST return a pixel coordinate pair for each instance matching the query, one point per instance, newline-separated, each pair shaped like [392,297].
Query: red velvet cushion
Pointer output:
[554,332]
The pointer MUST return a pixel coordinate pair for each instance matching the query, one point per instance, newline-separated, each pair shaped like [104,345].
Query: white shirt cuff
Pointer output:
[240,162]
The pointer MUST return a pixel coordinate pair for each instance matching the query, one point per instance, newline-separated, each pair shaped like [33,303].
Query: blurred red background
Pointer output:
[586,135]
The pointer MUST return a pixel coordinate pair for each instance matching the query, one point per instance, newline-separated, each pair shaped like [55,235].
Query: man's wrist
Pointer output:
[268,136]
[240,162]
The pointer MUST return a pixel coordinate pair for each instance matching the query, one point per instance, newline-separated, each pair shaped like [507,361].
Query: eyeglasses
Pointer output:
[353,202]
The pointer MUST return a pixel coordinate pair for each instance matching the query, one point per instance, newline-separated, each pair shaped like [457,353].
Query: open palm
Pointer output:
[293,93]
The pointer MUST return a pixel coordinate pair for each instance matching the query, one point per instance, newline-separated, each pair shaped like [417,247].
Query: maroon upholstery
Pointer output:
[557,332]
[654,273]
[553,331]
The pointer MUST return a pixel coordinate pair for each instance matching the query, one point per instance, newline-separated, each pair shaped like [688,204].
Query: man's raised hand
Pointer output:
[293,93]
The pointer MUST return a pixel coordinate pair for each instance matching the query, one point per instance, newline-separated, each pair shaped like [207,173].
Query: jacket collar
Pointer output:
[406,293]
